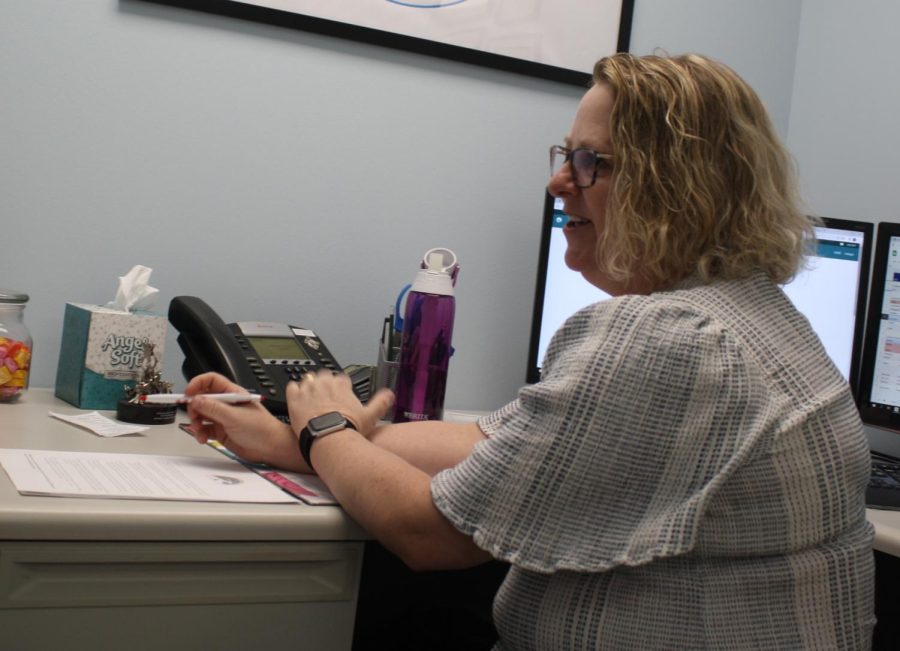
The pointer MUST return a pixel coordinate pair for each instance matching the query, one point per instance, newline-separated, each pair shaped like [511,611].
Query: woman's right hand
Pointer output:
[248,430]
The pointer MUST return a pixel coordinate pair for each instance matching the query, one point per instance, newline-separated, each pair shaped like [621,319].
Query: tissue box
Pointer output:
[102,351]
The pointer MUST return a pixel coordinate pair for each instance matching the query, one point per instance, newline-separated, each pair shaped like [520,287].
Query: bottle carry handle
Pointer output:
[398,320]
[449,264]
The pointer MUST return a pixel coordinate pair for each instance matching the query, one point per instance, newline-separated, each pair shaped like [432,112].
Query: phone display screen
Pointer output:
[278,348]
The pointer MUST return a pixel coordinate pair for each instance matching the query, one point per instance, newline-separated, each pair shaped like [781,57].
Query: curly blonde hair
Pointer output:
[701,182]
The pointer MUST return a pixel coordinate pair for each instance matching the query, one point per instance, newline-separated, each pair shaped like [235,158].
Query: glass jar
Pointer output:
[15,346]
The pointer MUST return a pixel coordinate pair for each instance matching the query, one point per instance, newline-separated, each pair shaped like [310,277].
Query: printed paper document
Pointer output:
[136,476]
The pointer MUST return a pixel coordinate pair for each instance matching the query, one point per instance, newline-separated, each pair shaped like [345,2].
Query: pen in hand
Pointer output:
[181,399]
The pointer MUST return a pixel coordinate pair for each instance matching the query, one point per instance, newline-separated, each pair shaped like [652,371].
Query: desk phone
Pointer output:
[262,357]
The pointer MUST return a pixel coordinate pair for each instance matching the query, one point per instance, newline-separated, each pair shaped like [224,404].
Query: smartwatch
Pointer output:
[318,427]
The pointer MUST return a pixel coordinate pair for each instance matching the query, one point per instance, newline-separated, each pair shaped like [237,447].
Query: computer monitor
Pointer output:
[560,292]
[831,291]
[879,400]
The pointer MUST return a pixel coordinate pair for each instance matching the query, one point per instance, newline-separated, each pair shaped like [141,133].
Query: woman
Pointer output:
[689,472]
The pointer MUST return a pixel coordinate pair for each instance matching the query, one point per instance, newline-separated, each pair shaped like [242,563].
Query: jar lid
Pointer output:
[11,296]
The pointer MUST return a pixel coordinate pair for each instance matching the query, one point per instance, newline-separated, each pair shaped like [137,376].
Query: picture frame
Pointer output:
[558,40]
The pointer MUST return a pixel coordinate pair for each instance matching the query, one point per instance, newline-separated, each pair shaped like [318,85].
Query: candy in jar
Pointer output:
[15,345]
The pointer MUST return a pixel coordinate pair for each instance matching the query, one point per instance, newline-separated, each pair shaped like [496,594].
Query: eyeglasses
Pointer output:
[585,163]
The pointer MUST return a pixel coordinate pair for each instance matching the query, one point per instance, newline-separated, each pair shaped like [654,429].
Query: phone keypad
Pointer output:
[294,372]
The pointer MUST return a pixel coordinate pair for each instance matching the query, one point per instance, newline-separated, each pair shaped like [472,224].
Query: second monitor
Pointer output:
[879,401]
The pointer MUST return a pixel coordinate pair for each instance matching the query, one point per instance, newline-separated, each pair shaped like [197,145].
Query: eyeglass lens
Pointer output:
[584,164]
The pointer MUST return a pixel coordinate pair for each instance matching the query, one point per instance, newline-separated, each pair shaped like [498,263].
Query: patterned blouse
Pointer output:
[689,473]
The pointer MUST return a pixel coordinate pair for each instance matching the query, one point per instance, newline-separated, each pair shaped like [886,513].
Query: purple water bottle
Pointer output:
[425,346]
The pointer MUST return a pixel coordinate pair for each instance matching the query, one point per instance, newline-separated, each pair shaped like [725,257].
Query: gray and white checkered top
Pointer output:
[689,473]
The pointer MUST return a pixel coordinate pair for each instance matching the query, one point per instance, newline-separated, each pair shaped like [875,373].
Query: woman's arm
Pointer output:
[378,485]
[391,499]
[430,446]
[384,491]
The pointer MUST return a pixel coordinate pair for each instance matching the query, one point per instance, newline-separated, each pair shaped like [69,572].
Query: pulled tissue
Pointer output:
[134,292]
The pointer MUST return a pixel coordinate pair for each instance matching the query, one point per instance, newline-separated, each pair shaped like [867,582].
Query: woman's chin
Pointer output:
[579,261]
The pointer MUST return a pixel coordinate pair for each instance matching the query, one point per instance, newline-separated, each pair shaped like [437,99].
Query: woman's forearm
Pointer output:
[391,499]
[430,446]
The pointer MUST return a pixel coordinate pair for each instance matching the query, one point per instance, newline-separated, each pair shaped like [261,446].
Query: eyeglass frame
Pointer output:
[569,154]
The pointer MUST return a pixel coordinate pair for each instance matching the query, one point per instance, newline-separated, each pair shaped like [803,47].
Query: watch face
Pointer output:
[326,423]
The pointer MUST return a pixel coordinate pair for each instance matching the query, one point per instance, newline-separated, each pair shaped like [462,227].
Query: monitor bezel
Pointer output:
[533,370]
[862,291]
[873,415]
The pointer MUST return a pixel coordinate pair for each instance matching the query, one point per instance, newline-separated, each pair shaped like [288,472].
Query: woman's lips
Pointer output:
[576,222]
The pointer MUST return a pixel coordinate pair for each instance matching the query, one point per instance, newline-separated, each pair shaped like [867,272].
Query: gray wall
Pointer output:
[844,129]
[756,38]
[286,176]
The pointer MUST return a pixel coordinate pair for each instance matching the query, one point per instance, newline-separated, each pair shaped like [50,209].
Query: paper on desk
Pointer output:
[99,424]
[136,476]
[308,488]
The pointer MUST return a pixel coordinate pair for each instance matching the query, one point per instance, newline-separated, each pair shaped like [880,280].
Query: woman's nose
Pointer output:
[561,182]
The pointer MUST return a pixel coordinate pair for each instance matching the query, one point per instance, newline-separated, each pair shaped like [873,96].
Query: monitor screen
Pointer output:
[879,401]
[830,292]
[560,291]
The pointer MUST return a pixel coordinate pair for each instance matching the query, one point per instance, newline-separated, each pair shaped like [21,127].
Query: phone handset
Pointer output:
[208,343]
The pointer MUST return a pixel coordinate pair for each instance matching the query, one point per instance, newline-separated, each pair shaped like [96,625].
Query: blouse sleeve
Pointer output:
[643,409]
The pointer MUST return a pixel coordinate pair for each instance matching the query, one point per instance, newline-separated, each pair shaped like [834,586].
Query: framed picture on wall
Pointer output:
[550,39]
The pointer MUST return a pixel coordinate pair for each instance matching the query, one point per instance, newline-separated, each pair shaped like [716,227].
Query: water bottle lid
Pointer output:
[433,280]
[449,263]
[438,276]
[11,296]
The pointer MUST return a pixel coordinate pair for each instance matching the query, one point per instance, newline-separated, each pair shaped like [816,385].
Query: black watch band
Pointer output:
[318,427]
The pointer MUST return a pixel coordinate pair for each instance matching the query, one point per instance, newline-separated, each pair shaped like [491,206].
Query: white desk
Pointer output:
[887,523]
[135,574]
[887,530]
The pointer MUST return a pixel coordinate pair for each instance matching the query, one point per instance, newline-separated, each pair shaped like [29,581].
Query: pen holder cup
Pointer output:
[385,372]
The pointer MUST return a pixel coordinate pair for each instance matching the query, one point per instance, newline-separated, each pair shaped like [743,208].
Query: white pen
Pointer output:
[180,398]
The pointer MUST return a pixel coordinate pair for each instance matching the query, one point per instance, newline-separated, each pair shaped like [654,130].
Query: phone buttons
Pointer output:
[293,372]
